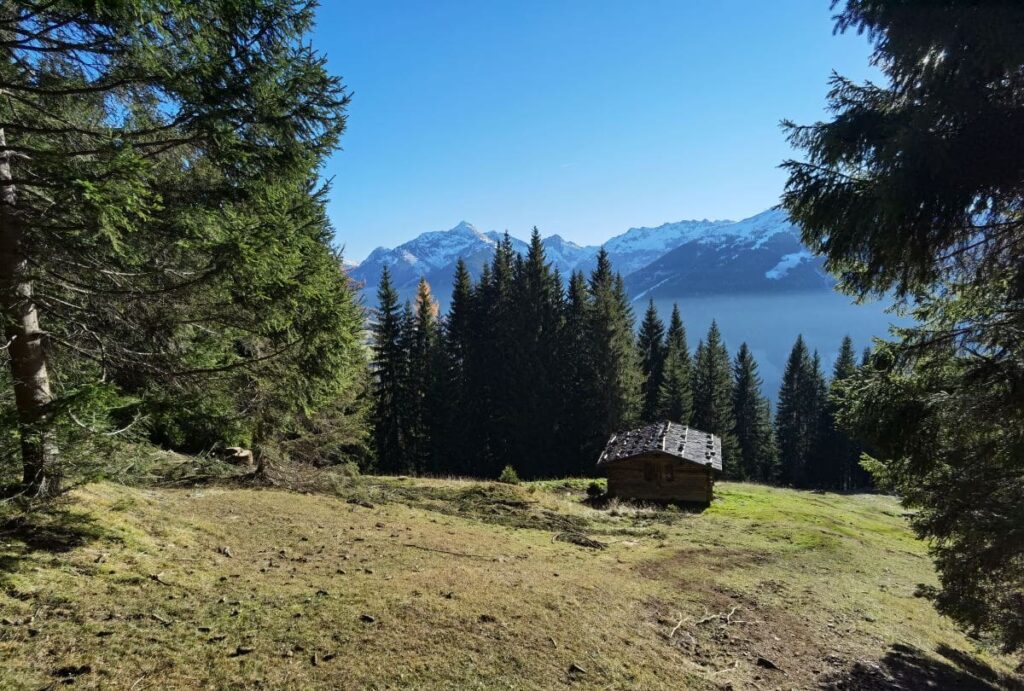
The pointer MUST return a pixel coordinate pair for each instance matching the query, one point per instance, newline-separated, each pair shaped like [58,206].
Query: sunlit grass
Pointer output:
[466,587]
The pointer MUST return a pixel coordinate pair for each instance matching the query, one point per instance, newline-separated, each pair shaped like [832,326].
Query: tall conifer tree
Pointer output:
[675,395]
[915,187]
[454,446]
[712,397]
[534,342]
[613,377]
[841,447]
[577,406]
[650,343]
[753,425]
[160,212]
[824,468]
[422,380]
[389,375]
[796,420]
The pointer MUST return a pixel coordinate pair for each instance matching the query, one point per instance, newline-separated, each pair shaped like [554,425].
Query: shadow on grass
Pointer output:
[905,667]
[54,530]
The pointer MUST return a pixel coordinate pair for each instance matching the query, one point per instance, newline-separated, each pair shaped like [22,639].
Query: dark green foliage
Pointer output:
[454,449]
[534,355]
[840,454]
[613,375]
[916,186]
[798,417]
[757,458]
[390,364]
[574,354]
[713,398]
[162,186]
[675,394]
[522,374]
[650,343]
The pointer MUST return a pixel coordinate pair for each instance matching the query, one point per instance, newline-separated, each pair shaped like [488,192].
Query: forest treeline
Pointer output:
[531,372]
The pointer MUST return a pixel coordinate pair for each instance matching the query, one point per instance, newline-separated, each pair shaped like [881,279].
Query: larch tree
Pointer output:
[158,202]
[422,398]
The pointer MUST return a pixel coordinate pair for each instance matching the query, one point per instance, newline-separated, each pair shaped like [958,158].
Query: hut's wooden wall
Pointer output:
[659,477]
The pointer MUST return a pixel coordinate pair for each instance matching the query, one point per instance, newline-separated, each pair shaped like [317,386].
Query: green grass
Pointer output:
[467,587]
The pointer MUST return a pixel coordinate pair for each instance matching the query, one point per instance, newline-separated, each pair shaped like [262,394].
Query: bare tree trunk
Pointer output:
[25,345]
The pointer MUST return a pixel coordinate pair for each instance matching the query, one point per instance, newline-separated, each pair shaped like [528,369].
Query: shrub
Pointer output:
[509,476]
[594,489]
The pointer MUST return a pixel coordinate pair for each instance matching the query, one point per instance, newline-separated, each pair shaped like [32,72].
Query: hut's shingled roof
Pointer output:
[680,441]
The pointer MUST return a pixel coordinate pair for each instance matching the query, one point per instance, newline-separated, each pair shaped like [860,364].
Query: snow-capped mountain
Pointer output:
[432,255]
[638,247]
[759,254]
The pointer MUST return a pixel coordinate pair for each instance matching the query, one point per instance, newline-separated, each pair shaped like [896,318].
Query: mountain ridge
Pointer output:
[762,253]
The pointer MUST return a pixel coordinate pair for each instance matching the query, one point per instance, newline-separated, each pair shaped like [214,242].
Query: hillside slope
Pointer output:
[386,583]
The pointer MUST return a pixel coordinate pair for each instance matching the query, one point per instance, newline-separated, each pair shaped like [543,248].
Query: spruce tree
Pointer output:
[753,426]
[534,332]
[577,406]
[865,357]
[824,467]
[712,397]
[650,343]
[675,395]
[453,446]
[796,419]
[494,373]
[845,450]
[389,376]
[914,188]
[613,376]
[160,216]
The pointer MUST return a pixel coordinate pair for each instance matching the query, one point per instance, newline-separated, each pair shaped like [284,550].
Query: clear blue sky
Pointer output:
[583,117]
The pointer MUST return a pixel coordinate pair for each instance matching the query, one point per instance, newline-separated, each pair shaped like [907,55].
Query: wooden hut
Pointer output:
[662,462]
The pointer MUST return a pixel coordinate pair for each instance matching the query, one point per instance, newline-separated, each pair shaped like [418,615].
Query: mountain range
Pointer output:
[761,255]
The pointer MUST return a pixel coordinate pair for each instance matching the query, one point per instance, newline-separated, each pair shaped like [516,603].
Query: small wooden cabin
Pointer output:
[662,462]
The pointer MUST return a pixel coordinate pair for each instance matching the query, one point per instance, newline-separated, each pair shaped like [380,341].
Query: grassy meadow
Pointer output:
[374,582]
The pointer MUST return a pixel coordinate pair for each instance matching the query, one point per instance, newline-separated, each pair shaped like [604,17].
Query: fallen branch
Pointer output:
[672,633]
[722,616]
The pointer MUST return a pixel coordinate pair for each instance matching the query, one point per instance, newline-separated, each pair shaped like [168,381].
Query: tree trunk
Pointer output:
[25,345]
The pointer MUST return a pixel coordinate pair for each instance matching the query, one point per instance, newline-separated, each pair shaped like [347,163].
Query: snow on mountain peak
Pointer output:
[434,254]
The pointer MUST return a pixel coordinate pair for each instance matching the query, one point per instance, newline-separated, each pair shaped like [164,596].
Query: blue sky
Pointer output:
[584,118]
